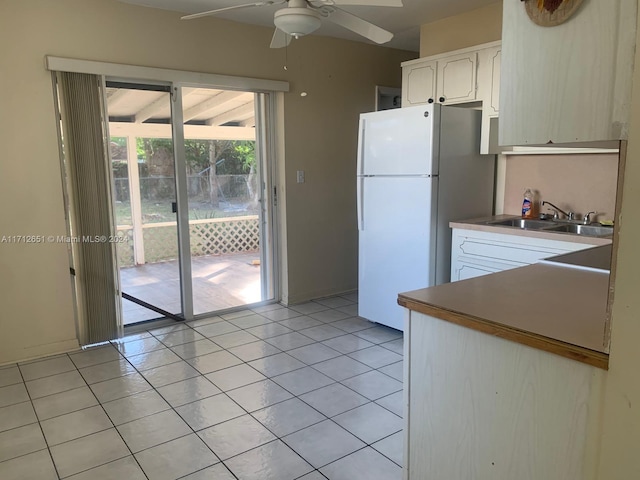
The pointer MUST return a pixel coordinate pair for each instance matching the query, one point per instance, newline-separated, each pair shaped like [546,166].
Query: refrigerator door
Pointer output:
[396,243]
[402,141]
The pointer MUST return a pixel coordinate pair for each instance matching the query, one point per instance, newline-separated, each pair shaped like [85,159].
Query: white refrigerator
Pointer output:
[418,169]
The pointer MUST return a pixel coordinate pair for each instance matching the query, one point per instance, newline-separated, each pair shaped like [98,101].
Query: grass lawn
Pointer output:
[160,211]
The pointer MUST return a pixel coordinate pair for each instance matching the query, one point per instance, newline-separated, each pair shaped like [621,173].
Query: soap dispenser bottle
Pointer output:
[527,204]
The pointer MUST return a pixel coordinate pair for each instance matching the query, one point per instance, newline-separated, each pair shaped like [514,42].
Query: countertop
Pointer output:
[596,259]
[480,224]
[550,306]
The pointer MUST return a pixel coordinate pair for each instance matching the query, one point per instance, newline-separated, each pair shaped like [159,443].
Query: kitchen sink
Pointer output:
[523,223]
[555,227]
[588,230]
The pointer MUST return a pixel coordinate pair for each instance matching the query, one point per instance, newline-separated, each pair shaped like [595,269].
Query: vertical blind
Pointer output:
[91,218]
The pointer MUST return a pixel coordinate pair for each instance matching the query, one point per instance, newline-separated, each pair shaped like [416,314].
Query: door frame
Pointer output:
[182,201]
[265,107]
[266,90]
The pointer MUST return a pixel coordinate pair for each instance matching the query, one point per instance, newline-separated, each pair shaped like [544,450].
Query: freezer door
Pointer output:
[396,243]
[403,141]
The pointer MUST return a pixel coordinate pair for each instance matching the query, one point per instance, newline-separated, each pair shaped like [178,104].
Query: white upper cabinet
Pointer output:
[457,78]
[489,60]
[419,83]
[448,80]
[469,75]
[570,82]
[495,60]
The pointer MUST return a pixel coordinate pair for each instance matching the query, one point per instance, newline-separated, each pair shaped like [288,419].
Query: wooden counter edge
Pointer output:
[574,352]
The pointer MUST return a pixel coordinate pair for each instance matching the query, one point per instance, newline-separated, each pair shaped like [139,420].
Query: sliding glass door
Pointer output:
[223,195]
[191,187]
[144,188]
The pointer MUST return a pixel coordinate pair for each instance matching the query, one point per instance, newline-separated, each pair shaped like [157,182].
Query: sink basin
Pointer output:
[587,230]
[524,223]
[549,226]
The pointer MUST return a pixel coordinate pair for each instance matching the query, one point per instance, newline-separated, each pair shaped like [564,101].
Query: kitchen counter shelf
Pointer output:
[548,307]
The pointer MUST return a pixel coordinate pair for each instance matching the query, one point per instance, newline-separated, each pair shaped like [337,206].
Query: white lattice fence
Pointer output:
[208,237]
[160,243]
[234,235]
[124,250]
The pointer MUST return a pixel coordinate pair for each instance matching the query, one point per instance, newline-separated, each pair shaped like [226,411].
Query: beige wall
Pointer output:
[321,136]
[619,459]
[465,30]
[580,183]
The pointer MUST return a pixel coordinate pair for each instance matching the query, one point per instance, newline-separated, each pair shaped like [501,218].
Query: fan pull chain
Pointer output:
[286,56]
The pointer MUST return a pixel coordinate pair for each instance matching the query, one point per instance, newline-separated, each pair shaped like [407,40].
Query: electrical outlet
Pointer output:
[300,176]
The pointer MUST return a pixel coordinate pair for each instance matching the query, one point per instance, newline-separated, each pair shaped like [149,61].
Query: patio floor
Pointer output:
[219,282]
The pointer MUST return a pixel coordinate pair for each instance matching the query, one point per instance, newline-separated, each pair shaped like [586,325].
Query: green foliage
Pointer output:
[146,147]
[120,141]
[197,154]
[246,151]
[232,156]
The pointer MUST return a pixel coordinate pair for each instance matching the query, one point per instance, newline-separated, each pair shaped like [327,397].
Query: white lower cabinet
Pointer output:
[485,408]
[476,253]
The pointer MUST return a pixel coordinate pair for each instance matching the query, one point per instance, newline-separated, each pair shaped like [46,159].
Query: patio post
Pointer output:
[136,202]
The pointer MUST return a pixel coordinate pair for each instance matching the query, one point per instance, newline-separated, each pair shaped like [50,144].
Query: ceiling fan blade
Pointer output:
[359,26]
[235,7]
[364,3]
[280,39]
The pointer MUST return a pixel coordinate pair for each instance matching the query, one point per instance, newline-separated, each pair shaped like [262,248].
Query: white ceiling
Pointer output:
[403,22]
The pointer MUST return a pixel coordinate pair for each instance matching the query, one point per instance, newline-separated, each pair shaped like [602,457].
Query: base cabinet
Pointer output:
[485,408]
[475,253]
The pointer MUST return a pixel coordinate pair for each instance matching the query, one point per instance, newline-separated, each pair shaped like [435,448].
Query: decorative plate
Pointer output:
[549,13]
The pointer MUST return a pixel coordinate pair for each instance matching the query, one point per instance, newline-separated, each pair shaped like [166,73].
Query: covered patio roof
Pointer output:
[209,114]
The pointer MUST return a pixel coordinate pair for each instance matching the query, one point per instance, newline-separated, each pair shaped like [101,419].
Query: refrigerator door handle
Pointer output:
[360,166]
[360,203]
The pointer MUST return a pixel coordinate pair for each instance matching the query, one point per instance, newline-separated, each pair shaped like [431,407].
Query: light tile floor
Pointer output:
[308,392]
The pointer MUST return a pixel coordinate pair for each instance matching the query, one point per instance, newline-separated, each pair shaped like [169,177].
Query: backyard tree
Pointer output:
[206,160]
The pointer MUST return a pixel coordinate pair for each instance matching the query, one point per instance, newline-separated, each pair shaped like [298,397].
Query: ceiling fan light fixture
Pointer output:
[297,21]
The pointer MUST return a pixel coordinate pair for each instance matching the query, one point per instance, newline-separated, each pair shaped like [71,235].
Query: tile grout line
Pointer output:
[172,408]
[251,413]
[113,426]
[165,346]
[55,467]
[83,436]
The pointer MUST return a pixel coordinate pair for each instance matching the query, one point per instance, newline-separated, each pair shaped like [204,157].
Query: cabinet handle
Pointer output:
[430,100]
[442,99]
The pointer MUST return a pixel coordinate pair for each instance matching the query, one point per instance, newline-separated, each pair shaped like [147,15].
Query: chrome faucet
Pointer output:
[587,218]
[555,209]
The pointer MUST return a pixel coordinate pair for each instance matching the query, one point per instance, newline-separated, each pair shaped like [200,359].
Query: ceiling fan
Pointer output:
[302,17]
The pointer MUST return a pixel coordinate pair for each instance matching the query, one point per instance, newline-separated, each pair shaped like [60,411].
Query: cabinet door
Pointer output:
[494,99]
[571,82]
[475,253]
[465,271]
[457,78]
[418,83]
